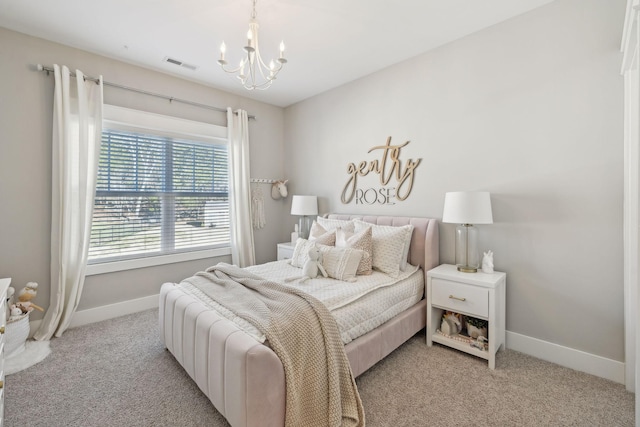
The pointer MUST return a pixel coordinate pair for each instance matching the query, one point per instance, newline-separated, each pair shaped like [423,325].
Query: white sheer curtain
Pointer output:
[242,248]
[77,132]
[630,71]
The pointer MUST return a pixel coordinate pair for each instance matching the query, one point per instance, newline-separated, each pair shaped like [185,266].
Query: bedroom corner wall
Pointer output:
[26,115]
[531,110]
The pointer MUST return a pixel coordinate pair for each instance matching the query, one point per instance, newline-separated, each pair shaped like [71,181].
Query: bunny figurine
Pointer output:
[487,262]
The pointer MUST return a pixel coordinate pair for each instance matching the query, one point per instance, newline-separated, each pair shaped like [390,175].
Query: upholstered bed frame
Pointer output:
[243,378]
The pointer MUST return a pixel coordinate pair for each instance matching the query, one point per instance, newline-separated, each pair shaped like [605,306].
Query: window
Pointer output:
[162,187]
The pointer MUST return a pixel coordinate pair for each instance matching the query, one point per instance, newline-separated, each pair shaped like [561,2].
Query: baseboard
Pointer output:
[92,315]
[106,312]
[564,356]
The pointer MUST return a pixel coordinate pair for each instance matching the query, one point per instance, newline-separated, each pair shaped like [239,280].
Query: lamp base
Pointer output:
[467,269]
[304,227]
[467,256]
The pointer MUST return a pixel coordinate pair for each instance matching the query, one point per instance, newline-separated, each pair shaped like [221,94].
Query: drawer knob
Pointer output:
[457,298]
[1,384]
[1,329]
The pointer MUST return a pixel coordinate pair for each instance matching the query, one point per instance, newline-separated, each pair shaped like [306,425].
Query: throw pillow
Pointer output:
[390,246]
[332,224]
[301,252]
[341,263]
[320,235]
[361,240]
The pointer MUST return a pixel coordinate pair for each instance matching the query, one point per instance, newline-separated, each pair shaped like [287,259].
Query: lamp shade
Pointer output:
[467,207]
[304,205]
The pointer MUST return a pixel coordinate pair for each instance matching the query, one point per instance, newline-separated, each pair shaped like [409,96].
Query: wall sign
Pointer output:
[388,166]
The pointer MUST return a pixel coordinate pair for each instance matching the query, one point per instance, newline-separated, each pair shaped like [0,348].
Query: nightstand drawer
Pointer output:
[285,250]
[460,297]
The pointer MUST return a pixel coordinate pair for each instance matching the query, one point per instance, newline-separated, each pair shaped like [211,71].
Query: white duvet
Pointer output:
[358,306]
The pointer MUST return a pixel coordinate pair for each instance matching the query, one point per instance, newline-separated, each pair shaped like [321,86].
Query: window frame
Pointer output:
[127,119]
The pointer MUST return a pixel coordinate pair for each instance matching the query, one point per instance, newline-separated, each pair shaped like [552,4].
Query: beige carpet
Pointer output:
[117,373]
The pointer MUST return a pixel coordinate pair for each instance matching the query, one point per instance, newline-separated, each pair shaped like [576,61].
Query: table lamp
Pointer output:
[466,208]
[304,206]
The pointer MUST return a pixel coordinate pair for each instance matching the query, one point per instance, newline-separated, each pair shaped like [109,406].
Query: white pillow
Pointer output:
[320,235]
[341,263]
[390,246]
[301,252]
[361,240]
[332,224]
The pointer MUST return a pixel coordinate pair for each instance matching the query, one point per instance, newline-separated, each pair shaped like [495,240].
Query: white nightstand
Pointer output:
[285,250]
[478,295]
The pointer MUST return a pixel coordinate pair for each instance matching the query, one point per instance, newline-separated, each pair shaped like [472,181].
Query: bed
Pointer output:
[243,378]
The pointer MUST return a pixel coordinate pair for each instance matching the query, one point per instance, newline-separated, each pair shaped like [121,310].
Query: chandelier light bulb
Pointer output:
[223,49]
[281,59]
[258,75]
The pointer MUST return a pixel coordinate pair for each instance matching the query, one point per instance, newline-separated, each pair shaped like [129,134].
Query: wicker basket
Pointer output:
[16,333]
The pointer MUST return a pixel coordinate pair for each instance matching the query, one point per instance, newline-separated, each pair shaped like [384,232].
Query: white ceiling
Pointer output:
[329,42]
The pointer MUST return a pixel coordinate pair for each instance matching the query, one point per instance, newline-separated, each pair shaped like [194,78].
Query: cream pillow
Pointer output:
[361,240]
[390,246]
[320,235]
[332,224]
[301,252]
[341,263]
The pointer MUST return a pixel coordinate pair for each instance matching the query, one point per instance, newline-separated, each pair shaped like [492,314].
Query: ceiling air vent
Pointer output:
[180,63]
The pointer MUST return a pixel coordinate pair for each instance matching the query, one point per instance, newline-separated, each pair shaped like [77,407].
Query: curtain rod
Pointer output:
[48,70]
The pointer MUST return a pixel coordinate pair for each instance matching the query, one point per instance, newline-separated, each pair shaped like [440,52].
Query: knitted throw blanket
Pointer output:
[302,332]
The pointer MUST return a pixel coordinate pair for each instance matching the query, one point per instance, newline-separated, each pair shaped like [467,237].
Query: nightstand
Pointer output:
[285,250]
[479,295]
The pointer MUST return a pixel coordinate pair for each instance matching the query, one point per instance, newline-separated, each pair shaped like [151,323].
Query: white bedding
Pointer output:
[358,306]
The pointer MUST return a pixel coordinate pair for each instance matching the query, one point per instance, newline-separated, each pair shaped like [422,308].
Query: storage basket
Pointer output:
[16,333]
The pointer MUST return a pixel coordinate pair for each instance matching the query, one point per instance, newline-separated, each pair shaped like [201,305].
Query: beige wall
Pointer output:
[530,110]
[25,161]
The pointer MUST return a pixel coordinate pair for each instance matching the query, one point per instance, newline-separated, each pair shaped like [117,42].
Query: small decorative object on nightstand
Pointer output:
[476,327]
[285,250]
[487,262]
[480,296]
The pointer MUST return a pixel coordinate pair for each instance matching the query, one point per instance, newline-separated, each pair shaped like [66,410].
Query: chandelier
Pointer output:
[253,72]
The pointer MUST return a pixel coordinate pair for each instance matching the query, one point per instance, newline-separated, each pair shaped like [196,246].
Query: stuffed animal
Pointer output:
[25,296]
[313,265]
[279,189]
[15,312]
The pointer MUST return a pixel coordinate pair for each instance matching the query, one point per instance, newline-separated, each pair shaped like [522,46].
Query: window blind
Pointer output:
[158,195]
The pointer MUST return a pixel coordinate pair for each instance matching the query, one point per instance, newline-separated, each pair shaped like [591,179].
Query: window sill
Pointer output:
[110,267]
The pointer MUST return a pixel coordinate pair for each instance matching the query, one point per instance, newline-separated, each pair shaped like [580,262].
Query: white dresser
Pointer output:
[4,285]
